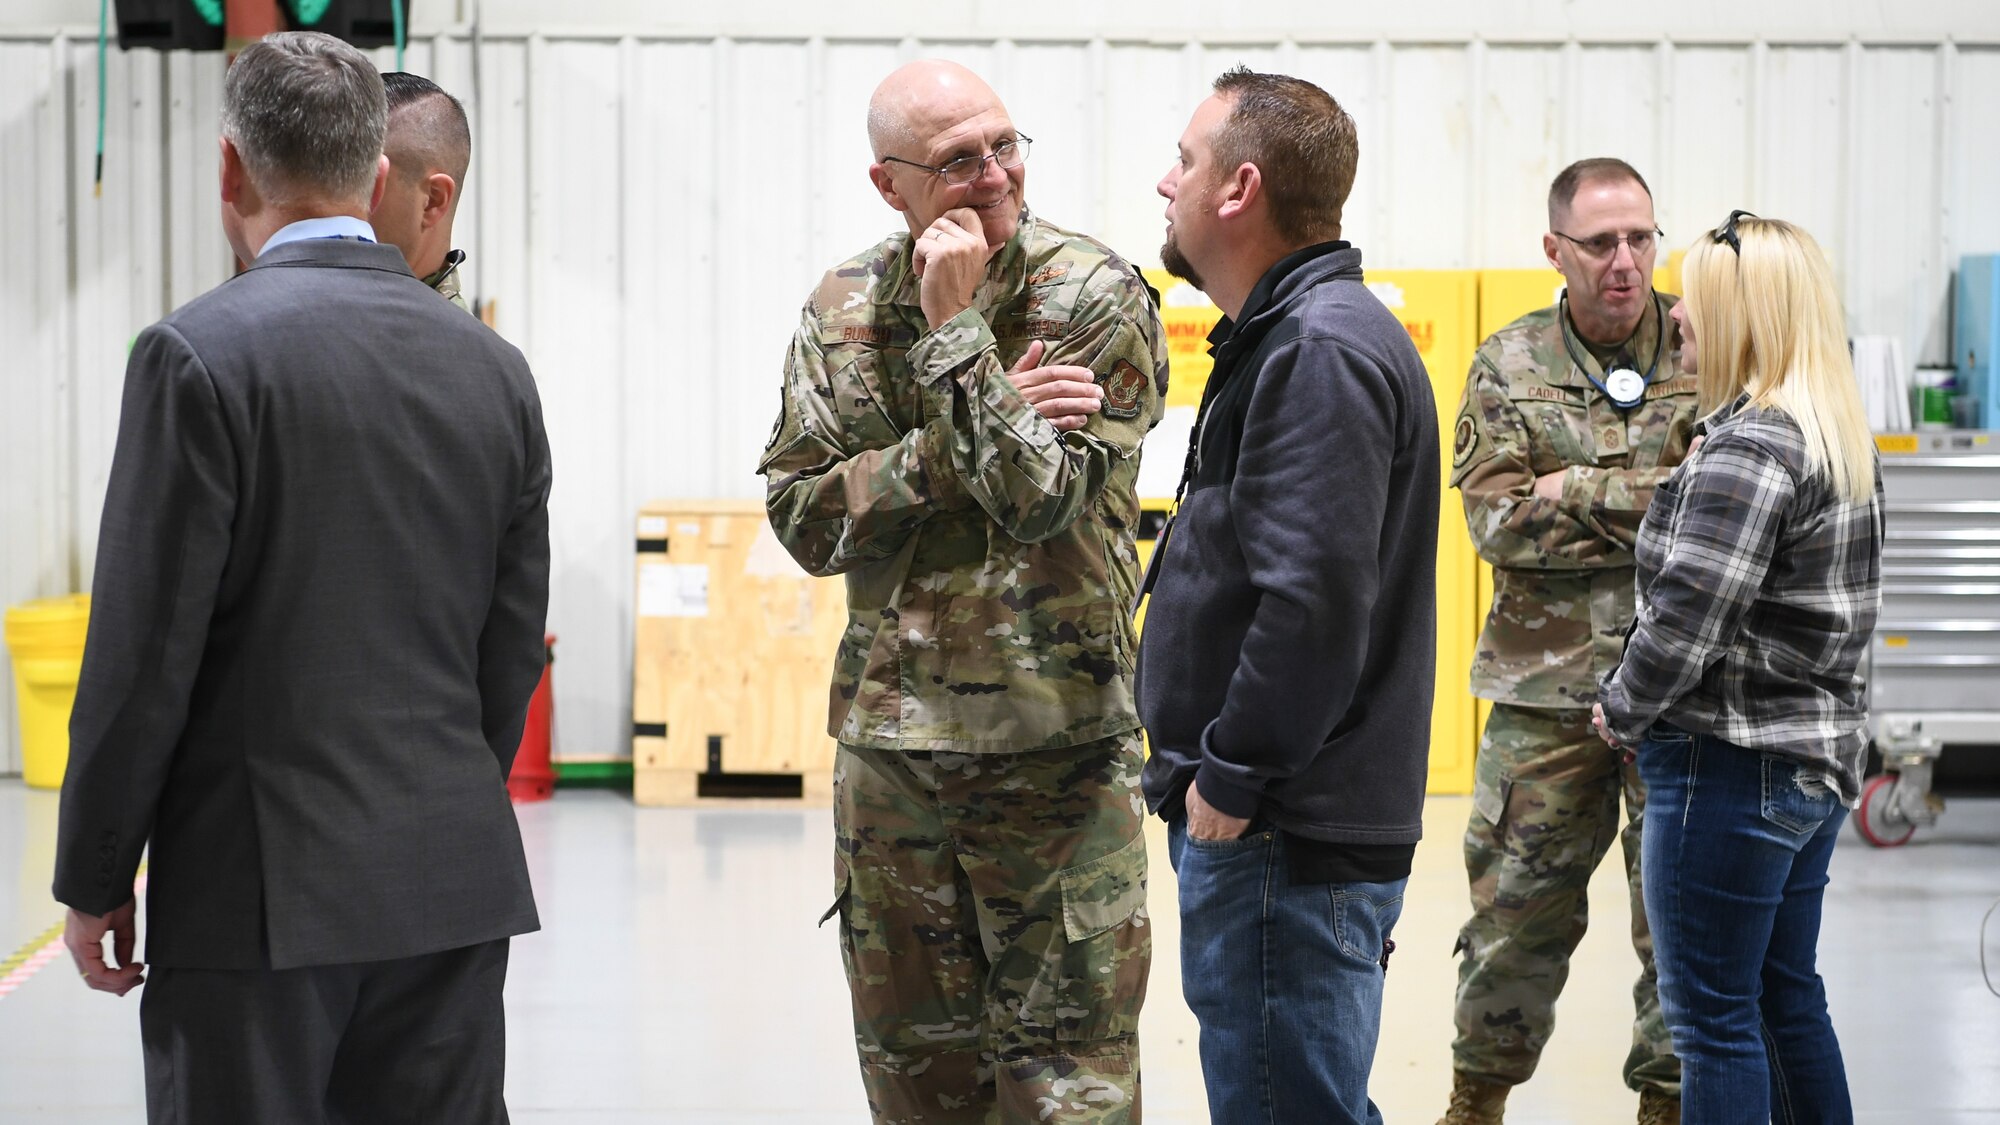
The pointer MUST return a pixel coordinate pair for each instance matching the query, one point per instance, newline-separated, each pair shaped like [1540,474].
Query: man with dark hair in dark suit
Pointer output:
[317,618]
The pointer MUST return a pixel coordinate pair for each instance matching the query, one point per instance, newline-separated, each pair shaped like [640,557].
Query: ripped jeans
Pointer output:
[1736,846]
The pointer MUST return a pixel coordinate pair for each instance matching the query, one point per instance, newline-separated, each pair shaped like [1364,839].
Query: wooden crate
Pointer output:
[733,653]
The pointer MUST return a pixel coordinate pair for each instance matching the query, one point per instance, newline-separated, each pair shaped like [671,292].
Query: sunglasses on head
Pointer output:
[1727,231]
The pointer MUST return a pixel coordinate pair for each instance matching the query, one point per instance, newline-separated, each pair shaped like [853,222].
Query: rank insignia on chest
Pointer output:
[1123,389]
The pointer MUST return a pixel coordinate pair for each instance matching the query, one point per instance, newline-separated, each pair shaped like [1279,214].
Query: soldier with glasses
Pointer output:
[962,411]
[1571,416]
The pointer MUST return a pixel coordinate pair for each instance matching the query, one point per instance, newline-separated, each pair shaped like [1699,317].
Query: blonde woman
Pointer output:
[1759,575]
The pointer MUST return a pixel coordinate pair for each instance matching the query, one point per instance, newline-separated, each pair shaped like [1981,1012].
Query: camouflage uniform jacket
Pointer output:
[445,280]
[989,559]
[1562,569]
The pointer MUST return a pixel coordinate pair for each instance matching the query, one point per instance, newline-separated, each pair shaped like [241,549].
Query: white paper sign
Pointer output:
[673,590]
[1166,454]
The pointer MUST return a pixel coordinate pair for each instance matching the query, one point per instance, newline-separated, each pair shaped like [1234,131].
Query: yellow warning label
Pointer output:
[1896,443]
[1896,642]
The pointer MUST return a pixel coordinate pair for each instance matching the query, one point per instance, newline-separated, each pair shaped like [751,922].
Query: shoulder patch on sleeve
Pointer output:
[1464,440]
[1124,387]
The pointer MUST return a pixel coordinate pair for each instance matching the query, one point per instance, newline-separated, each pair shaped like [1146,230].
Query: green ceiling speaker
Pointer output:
[166,25]
[364,23]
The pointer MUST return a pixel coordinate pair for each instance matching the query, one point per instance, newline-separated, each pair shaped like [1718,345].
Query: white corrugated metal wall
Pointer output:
[648,210]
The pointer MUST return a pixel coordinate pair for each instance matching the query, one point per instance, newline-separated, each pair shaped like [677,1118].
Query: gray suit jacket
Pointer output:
[316,621]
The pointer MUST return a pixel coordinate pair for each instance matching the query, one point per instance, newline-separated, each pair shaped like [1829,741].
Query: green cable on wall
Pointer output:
[211,13]
[103,38]
[396,14]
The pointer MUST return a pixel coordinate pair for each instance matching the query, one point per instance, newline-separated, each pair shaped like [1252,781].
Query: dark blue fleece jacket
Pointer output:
[1290,640]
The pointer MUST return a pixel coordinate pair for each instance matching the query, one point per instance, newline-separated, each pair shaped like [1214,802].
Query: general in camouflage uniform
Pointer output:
[989,867]
[1546,789]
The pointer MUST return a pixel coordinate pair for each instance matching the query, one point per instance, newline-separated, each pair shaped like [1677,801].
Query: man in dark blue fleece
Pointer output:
[1285,674]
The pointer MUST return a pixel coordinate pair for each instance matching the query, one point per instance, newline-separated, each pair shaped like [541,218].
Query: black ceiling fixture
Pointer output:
[364,23]
[197,25]
[166,25]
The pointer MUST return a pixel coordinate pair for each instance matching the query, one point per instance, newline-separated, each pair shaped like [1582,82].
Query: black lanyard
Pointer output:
[1659,349]
[1189,467]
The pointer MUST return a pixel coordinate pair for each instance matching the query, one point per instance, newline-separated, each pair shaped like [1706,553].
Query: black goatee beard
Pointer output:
[1177,263]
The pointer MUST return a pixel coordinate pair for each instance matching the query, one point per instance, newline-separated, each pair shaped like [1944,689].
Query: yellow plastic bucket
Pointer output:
[45,638]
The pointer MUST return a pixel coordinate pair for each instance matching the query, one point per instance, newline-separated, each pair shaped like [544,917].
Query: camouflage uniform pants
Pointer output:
[1544,811]
[994,931]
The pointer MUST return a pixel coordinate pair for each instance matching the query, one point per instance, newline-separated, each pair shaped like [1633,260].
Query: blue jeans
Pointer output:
[1285,980]
[1736,849]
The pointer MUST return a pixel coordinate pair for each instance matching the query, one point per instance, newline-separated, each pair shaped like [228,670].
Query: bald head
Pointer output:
[918,100]
[927,115]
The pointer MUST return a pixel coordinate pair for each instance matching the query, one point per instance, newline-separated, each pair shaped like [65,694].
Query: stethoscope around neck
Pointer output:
[1622,384]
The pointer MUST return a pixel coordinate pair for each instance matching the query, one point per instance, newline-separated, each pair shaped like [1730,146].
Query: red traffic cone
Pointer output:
[532,778]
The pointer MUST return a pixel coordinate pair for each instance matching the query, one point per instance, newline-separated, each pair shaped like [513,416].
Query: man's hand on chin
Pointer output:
[1206,822]
[950,257]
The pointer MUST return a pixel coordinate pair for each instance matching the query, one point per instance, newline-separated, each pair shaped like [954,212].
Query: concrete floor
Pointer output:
[680,979]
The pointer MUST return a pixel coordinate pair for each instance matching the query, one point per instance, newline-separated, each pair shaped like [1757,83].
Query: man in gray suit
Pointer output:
[317,619]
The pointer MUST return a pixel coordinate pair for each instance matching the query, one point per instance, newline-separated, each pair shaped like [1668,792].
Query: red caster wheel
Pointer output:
[1879,824]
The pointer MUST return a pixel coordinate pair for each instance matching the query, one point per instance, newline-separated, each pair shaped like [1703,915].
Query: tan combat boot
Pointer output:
[1656,1108]
[1477,1102]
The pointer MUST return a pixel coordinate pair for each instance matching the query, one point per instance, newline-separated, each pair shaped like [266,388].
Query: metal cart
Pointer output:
[1934,665]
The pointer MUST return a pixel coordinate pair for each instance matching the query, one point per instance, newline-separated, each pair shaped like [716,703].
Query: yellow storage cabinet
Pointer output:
[1440,309]
[45,640]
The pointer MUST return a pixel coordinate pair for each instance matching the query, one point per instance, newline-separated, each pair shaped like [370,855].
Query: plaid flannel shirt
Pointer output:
[1758,588]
